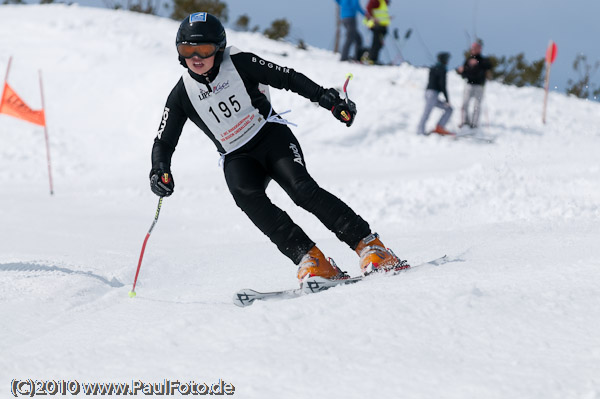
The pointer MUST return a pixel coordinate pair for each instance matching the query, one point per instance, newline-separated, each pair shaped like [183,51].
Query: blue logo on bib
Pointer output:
[198,17]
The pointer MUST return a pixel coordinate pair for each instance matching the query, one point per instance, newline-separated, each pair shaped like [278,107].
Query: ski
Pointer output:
[469,134]
[465,133]
[482,139]
[475,135]
[449,134]
[318,284]
[246,297]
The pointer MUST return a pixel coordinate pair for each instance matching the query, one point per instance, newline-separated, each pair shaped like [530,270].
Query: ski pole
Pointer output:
[350,103]
[399,44]
[348,77]
[132,292]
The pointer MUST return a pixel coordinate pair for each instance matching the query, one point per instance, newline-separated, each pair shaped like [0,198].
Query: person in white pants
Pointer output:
[435,86]
[475,70]
[472,92]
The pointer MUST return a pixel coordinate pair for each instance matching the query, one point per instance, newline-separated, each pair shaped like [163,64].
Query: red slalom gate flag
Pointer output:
[551,52]
[11,104]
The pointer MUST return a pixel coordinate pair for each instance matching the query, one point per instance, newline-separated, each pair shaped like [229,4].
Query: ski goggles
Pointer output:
[202,50]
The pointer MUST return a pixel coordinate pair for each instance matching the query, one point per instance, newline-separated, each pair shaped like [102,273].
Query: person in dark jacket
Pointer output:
[224,91]
[435,86]
[475,70]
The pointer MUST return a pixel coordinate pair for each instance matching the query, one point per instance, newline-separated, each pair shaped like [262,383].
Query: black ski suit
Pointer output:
[231,106]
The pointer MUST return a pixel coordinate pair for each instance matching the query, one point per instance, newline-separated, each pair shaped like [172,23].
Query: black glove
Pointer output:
[161,181]
[343,110]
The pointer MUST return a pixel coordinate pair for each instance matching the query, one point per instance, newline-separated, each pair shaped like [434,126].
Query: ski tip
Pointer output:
[439,261]
[314,284]
[244,297]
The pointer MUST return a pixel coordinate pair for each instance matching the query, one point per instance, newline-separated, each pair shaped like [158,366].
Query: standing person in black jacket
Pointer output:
[475,70]
[435,86]
[224,91]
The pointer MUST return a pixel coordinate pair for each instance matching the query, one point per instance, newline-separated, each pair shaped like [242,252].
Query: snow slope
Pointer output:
[517,317]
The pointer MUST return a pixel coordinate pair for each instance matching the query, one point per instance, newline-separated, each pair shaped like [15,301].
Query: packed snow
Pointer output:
[517,315]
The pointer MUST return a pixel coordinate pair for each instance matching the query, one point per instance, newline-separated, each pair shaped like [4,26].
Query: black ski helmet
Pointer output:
[201,27]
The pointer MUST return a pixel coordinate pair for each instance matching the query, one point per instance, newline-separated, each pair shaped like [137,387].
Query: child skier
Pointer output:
[222,92]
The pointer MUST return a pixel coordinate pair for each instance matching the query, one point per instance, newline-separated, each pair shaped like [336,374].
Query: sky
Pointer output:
[507,27]
[515,316]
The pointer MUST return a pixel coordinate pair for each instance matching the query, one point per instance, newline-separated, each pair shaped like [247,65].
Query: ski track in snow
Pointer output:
[518,318]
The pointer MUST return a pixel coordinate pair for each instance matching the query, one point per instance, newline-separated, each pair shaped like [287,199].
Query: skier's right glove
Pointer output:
[343,110]
[161,181]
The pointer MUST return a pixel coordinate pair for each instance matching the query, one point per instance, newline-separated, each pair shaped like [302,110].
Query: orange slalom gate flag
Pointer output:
[12,105]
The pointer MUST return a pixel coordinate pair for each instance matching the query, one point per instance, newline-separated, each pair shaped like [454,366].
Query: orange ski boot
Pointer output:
[375,257]
[314,264]
[442,131]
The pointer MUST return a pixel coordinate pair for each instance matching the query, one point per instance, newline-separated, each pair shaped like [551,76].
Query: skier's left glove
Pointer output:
[343,110]
[161,181]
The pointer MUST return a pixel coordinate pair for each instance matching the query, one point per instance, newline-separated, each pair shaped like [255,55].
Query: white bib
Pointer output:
[227,111]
